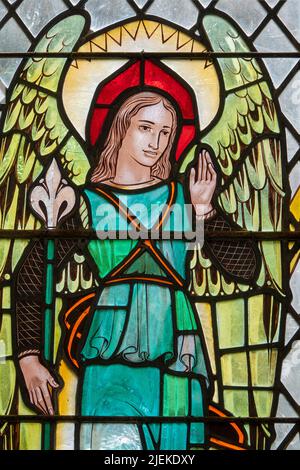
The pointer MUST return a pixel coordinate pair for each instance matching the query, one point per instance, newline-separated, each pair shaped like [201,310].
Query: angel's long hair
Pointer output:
[108,157]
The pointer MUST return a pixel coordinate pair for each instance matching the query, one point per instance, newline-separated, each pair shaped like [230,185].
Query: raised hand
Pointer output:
[203,187]
[38,379]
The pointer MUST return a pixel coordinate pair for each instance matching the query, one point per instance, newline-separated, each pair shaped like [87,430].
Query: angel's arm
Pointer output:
[237,257]
[30,297]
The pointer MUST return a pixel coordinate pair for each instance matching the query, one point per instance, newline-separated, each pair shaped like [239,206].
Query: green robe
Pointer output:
[143,352]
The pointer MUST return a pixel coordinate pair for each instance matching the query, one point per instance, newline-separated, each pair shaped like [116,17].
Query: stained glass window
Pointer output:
[125,124]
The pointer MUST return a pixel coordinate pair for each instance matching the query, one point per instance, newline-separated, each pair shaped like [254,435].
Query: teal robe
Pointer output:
[143,353]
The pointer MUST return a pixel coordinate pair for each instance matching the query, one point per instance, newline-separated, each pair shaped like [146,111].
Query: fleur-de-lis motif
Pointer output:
[52,198]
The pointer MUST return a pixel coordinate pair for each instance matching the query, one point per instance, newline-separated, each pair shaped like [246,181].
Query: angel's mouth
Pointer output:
[150,153]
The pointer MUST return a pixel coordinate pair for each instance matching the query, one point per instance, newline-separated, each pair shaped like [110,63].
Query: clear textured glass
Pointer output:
[289,13]
[272,39]
[205,3]
[182,12]
[295,443]
[291,328]
[18,41]
[290,101]
[292,144]
[104,13]
[3,10]
[37,13]
[282,429]
[140,3]
[272,3]
[2,92]
[247,18]
[290,374]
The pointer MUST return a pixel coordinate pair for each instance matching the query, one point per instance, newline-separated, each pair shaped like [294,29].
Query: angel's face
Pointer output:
[148,135]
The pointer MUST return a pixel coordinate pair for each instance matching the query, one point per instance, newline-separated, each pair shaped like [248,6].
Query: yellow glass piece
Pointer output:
[256,309]
[5,337]
[57,328]
[234,369]
[6,300]
[204,312]
[294,262]
[236,402]
[263,367]
[66,406]
[8,381]
[231,323]
[295,205]
[257,333]
[263,402]
[30,433]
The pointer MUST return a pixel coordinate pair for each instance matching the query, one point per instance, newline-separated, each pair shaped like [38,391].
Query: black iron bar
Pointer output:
[205,55]
[146,419]
[90,234]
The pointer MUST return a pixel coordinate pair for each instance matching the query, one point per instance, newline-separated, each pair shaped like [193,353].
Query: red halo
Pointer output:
[145,73]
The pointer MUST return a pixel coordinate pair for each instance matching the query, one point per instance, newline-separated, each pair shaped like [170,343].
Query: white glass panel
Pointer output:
[248,18]
[292,145]
[290,15]
[290,101]
[182,12]
[295,443]
[284,410]
[12,38]
[295,279]
[2,92]
[272,39]
[291,328]
[37,13]
[3,10]
[140,3]
[104,13]
[290,373]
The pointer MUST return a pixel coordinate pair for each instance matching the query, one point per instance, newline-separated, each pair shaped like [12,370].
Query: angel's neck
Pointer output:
[130,172]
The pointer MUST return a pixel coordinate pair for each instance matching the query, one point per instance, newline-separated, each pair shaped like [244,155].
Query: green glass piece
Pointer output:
[263,402]
[234,369]
[263,367]
[237,402]
[49,284]
[185,317]
[231,323]
[47,436]
[48,334]
[50,250]
[145,264]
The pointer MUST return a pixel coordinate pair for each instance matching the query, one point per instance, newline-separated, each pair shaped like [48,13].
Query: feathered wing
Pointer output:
[33,132]
[246,141]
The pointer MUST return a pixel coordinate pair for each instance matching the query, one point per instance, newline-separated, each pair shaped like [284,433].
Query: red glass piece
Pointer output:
[97,122]
[186,136]
[158,78]
[127,79]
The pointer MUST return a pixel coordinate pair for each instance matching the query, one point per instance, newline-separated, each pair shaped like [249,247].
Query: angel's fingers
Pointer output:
[200,166]
[47,398]
[207,156]
[192,177]
[35,400]
[31,397]
[204,168]
[40,400]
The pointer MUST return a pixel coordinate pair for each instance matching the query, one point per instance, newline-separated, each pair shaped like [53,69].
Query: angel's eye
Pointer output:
[145,128]
[165,133]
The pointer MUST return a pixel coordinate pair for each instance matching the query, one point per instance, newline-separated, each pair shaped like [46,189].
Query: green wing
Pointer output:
[33,133]
[246,141]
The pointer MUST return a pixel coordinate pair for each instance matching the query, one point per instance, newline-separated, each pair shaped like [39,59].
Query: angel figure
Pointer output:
[129,324]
